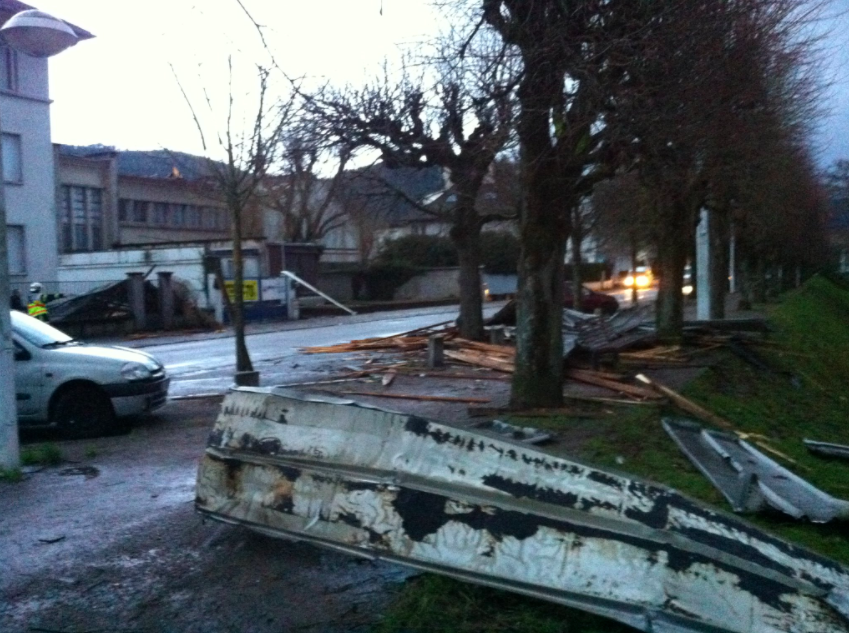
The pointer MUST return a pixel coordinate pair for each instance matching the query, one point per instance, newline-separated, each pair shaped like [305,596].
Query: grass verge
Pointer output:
[803,395]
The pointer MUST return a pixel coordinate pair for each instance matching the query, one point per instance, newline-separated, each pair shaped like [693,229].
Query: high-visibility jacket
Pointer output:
[37,309]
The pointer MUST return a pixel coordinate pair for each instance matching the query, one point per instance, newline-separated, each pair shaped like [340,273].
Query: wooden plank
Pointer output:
[686,405]
[592,378]
[480,359]
[404,396]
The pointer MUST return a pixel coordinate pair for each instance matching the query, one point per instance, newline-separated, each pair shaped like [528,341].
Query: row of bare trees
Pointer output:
[660,108]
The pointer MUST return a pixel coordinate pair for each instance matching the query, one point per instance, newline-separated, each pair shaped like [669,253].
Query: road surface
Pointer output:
[206,365]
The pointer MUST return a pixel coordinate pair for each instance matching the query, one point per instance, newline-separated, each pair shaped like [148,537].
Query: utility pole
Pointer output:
[37,34]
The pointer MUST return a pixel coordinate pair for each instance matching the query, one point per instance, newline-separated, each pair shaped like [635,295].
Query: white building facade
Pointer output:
[27,157]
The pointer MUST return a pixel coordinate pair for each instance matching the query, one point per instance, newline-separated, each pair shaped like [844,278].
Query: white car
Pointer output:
[83,390]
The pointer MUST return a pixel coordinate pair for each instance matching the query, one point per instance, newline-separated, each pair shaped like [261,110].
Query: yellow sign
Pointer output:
[250,290]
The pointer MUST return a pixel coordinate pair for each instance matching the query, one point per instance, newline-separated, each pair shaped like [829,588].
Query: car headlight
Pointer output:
[135,371]
[642,281]
[629,280]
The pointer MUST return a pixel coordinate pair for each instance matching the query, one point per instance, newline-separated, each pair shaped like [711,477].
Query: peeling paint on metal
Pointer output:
[382,484]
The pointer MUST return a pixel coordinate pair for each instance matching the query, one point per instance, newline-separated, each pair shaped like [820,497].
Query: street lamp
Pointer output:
[37,34]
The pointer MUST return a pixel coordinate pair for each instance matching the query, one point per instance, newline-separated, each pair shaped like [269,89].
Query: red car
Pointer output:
[591,301]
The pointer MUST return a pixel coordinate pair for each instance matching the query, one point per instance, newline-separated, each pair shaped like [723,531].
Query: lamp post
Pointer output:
[36,34]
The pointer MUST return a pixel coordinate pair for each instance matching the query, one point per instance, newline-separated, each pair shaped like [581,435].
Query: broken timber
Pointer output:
[452,501]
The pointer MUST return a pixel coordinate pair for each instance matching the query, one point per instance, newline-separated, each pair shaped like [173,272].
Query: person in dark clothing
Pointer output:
[15,301]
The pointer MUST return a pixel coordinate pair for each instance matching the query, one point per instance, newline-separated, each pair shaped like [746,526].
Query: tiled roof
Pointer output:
[158,163]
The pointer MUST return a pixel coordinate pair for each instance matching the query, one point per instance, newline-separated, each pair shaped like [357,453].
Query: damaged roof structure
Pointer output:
[483,509]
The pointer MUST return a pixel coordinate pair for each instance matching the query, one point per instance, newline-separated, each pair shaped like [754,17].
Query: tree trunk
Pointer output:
[675,228]
[719,227]
[577,257]
[544,229]
[759,281]
[633,274]
[466,238]
[243,359]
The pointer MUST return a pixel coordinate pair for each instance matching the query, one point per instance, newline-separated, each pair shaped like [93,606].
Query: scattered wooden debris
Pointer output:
[388,378]
[410,396]
[599,379]
[481,359]
[686,405]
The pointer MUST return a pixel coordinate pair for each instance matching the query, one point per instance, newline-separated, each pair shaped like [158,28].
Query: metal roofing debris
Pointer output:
[750,480]
[454,501]
[527,434]
[829,450]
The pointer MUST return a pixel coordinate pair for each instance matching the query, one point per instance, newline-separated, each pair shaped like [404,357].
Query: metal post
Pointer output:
[135,290]
[9,447]
[435,351]
[703,266]
[166,300]
[732,275]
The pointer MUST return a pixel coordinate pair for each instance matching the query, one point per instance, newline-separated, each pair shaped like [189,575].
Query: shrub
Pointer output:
[419,251]
[499,252]
[382,279]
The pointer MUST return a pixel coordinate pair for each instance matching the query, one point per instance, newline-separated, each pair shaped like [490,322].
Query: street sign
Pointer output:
[250,290]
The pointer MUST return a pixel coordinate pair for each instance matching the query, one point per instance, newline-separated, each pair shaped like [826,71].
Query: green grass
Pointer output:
[10,476]
[435,604]
[805,396]
[41,454]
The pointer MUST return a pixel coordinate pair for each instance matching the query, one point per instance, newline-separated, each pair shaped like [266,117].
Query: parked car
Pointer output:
[83,390]
[591,301]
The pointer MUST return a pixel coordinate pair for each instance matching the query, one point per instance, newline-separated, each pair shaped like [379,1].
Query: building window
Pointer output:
[12,168]
[17,249]
[193,217]
[124,207]
[78,219]
[95,218]
[140,208]
[222,223]
[160,213]
[178,215]
[8,69]
[81,219]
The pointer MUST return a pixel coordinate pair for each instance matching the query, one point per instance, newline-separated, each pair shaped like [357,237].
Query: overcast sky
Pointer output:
[119,88]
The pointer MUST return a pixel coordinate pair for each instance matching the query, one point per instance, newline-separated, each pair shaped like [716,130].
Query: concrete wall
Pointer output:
[434,285]
[81,272]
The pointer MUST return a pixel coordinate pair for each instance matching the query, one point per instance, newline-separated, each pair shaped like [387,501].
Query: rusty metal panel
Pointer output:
[386,485]
[749,479]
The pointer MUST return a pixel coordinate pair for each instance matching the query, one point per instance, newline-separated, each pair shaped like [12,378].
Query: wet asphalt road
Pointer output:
[205,364]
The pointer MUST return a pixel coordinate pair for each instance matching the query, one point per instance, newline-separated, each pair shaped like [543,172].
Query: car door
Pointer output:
[29,381]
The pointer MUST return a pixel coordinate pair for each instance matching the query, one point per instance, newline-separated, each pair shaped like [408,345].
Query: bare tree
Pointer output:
[568,56]
[308,201]
[249,152]
[460,125]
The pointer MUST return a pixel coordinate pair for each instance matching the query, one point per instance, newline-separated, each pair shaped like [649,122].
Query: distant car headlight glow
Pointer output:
[629,280]
[687,289]
[642,281]
[135,371]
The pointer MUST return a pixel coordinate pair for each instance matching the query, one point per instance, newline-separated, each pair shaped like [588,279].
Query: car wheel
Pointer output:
[83,412]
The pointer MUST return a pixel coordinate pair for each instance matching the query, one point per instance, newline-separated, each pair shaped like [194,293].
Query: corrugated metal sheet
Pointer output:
[750,480]
[827,449]
[424,494]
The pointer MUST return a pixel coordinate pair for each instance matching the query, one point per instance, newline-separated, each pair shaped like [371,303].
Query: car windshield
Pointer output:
[37,332]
